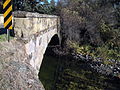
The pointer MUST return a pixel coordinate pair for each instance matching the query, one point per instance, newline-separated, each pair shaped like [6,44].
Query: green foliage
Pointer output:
[45,9]
[26,5]
[1,6]
[105,31]
[105,52]
[4,38]
[34,6]
[83,49]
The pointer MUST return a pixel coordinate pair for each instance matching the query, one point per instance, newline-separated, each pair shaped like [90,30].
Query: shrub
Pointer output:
[104,51]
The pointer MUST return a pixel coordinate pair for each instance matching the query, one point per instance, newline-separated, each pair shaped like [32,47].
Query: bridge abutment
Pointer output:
[36,30]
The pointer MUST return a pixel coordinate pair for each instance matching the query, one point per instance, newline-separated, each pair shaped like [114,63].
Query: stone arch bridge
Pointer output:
[37,30]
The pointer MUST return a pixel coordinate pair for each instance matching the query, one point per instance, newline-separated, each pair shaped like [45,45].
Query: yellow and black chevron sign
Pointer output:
[7,7]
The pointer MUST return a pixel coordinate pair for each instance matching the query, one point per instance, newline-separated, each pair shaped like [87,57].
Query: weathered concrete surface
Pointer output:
[36,47]
[1,21]
[27,24]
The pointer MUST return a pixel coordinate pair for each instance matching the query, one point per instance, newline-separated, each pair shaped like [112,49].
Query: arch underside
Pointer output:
[37,47]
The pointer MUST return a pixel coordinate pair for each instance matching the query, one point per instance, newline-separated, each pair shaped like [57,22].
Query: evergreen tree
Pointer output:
[1,6]
[52,2]
[34,6]
[46,2]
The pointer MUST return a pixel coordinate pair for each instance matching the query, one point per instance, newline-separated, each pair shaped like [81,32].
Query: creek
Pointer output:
[64,73]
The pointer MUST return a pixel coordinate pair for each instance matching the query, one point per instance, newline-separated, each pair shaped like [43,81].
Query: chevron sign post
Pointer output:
[7,7]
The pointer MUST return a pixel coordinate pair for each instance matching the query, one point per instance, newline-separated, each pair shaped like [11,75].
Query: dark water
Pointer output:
[68,74]
[47,72]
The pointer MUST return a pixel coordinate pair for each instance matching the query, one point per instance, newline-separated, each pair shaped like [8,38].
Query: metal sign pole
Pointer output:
[8,35]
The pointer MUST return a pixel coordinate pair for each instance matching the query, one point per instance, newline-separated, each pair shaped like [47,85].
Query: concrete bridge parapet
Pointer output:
[1,21]
[27,24]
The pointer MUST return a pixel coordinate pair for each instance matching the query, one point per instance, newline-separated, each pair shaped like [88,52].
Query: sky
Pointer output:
[50,0]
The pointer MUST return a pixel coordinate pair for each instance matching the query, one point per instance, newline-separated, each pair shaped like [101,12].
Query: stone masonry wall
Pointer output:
[28,24]
[37,30]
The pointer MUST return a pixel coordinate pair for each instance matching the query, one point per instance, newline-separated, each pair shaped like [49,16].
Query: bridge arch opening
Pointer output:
[54,41]
[47,72]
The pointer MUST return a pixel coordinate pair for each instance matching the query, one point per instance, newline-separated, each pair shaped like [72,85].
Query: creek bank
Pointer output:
[112,68]
[108,67]
[73,74]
